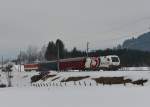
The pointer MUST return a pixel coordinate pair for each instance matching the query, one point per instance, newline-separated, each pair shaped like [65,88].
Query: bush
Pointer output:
[140,82]
[2,85]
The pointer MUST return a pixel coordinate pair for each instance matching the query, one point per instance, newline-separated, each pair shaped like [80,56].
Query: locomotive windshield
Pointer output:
[115,59]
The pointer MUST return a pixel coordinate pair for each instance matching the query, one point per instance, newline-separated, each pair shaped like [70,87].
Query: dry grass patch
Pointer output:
[44,78]
[74,78]
[118,80]
[112,80]
[35,78]
[55,78]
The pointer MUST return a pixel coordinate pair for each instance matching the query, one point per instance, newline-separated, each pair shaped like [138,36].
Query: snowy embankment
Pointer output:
[21,79]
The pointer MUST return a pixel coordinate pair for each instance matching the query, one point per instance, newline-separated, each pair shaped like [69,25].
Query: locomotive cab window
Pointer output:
[115,59]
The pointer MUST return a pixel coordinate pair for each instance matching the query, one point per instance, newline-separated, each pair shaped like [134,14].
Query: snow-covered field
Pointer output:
[22,94]
[108,96]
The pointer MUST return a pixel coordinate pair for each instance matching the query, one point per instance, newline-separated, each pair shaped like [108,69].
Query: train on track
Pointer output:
[110,62]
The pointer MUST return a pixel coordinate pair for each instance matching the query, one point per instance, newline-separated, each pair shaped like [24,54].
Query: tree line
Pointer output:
[50,52]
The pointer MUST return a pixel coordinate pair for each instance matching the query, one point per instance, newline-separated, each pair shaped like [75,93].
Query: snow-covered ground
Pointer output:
[22,94]
[108,96]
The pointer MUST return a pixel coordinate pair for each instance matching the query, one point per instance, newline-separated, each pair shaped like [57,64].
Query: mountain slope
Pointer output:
[140,43]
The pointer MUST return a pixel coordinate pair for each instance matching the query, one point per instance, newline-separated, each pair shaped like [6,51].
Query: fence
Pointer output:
[64,84]
[135,69]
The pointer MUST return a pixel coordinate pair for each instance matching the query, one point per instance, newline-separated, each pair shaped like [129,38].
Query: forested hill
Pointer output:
[140,43]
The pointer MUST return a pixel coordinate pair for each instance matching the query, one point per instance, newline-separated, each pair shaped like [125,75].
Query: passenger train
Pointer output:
[110,62]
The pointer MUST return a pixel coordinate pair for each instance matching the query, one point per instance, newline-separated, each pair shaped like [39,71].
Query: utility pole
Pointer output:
[87,50]
[20,61]
[9,70]
[2,63]
[9,78]
[58,57]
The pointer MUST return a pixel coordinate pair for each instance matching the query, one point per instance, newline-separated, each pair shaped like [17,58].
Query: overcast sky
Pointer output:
[104,23]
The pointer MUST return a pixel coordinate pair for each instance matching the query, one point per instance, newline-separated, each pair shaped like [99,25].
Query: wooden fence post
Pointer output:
[84,83]
[60,84]
[79,83]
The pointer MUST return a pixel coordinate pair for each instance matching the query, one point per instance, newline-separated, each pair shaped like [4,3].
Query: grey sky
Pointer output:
[104,23]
